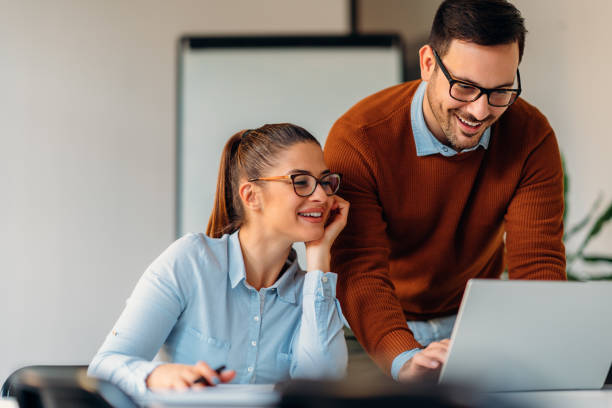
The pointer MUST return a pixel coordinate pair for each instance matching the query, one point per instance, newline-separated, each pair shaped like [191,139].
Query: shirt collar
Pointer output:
[425,142]
[285,285]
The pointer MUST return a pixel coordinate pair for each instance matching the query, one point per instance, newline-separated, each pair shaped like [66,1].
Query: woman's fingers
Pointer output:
[180,384]
[227,375]
[202,369]
[337,224]
[181,376]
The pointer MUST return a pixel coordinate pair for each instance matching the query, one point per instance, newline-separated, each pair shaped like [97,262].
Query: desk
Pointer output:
[223,395]
[560,399]
[533,399]
[8,403]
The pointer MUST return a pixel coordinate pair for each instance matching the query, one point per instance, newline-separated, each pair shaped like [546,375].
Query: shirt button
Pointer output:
[324,279]
[256,318]
[250,369]
[253,343]
[445,149]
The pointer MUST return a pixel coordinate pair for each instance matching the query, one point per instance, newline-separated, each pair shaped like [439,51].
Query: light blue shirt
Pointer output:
[194,302]
[425,142]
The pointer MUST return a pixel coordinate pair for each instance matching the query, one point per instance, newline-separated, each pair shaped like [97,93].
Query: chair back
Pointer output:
[62,386]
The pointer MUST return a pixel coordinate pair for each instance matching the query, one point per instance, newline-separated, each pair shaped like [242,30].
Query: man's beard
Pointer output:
[451,135]
[451,128]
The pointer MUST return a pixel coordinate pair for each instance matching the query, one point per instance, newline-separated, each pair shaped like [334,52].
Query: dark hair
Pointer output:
[484,22]
[246,155]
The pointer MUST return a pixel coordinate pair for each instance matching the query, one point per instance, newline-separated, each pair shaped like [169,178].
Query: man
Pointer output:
[449,178]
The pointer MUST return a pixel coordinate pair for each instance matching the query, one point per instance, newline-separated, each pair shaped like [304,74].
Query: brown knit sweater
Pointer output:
[420,227]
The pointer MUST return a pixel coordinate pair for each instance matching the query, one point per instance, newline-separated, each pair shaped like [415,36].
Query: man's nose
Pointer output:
[479,109]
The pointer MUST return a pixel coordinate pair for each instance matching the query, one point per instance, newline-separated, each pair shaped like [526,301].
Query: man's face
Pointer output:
[462,124]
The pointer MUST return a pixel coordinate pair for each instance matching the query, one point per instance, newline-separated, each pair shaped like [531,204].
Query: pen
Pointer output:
[204,381]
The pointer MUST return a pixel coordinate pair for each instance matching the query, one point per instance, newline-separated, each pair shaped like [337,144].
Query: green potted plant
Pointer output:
[579,257]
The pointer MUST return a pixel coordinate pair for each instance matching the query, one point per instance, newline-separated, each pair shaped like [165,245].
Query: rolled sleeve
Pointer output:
[320,349]
[400,360]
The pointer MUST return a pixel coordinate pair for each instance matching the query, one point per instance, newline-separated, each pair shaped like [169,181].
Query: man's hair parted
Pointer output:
[484,22]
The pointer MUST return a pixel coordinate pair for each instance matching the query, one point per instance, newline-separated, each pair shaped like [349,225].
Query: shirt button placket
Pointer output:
[255,311]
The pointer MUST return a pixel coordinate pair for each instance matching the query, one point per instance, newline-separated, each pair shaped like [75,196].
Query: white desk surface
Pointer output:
[561,399]
[8,403]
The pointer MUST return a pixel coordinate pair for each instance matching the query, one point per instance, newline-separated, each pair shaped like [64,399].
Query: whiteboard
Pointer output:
[229,84]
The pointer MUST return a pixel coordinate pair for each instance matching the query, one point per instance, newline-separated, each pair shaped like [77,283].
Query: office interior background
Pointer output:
[87,138]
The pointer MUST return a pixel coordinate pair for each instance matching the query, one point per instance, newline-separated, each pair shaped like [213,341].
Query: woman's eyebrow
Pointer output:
[300,171]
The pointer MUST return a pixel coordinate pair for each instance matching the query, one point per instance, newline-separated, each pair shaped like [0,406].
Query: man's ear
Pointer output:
[250,194]
[427,62]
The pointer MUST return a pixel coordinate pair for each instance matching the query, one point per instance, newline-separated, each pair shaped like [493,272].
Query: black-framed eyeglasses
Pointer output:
[305,185]
[467,92]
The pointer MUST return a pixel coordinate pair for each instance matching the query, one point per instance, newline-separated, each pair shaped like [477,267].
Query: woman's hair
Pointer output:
[245,156]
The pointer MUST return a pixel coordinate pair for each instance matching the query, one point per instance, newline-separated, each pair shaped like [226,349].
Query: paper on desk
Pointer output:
[8,403]
[235,395]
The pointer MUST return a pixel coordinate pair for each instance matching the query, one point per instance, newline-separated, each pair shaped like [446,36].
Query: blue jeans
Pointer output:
[429,331]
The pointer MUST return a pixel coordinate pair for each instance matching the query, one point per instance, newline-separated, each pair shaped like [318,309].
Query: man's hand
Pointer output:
[426,364]
[181,376]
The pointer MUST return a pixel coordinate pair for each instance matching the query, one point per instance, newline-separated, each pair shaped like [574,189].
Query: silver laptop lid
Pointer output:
[531,335]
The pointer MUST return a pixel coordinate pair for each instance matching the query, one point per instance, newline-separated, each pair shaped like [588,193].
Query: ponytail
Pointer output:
[224,218]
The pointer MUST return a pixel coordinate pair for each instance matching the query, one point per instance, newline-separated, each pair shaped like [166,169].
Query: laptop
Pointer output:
[531,335]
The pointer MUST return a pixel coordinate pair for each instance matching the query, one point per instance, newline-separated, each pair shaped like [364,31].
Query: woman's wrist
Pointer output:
[318,262]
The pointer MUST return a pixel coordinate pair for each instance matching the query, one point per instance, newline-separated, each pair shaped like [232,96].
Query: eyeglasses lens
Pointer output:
[502,98]
[306,184]
[330,183]
[466,93]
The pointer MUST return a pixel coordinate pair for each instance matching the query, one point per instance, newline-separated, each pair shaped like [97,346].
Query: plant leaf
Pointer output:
[597,226]
[585,221]
[600,278]
[597,258]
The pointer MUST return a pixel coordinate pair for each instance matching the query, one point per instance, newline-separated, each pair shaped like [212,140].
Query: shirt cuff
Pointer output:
[141,371]
[321,284]
[400,360]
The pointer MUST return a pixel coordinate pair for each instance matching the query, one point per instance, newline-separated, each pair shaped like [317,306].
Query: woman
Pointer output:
[238,297]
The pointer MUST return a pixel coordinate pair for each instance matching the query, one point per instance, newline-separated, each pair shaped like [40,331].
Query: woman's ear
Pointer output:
[250,194]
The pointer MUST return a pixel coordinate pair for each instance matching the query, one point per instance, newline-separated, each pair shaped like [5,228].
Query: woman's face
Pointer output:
[299,219]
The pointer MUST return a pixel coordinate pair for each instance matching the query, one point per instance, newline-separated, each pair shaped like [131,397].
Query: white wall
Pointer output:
[565,73]
[87,154]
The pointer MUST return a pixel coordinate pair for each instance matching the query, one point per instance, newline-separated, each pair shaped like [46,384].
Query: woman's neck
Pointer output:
[264,255]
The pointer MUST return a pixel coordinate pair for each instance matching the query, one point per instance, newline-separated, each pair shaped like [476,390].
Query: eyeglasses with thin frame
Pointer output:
[467,92]
[305,185]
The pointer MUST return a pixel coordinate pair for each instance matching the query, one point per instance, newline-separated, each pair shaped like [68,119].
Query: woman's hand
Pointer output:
[182,376]
[317,252]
